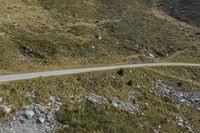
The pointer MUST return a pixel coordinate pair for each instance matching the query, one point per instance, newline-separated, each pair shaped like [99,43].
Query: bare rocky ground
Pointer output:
[36,118]
[33,118]
[97,99]
[191,99]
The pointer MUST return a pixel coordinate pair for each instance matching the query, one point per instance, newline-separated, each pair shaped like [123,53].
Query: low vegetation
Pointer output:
[156,112]
[52,34]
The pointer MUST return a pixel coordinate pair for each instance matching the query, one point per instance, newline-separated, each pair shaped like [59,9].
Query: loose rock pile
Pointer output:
[191,99]
[127,106]
[96,99]
[33,118]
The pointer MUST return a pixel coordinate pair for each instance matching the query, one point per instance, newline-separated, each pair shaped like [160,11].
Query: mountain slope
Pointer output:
[183,10]
[49,34]
[157,111]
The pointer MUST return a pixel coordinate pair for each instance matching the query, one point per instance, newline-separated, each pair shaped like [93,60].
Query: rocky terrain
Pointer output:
[33,118]
[36,118]
[117,103]
[108,101]
[45,35]
[189,98]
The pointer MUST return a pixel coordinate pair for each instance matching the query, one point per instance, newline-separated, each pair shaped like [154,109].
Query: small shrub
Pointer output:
[179,84]
[120,72]
[130,83]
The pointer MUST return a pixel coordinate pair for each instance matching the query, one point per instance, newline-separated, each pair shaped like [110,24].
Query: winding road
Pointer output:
[14,77]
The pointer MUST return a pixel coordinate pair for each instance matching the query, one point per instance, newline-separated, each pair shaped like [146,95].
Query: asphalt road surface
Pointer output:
[14,77]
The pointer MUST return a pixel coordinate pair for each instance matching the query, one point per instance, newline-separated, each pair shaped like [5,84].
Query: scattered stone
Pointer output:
[24,58]
[98,36]
[33,118]
[151,91]
[7,109]
[190,129]
[78,98]
[52,98]
[55,103]
[33,94]
[138,86]
[183,124]
[127,106]
[156,130]
[113,77]
[147,104]
[151,55]
[41,120]
[96,99]
[179,121]
[29,113]
[65,126]
[132,97]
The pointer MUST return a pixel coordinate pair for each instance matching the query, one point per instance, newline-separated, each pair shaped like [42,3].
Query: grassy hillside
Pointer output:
[184,10]
[156,111]
[49,34]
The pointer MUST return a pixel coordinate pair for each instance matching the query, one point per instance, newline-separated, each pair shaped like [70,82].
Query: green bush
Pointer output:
[130,83]
[120,72]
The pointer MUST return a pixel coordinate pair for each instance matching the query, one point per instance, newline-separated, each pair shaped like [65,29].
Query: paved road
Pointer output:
[14,77]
